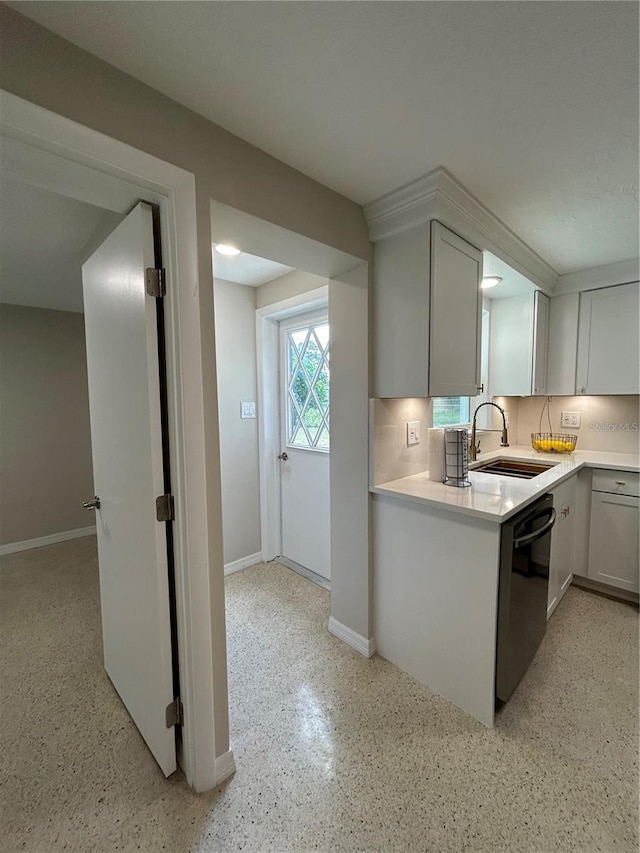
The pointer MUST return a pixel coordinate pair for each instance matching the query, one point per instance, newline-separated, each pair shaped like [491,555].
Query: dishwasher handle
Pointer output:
[519,541]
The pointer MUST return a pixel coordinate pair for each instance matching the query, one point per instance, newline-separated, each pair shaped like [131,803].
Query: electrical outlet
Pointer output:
[247,410]
[570,419]
[413,432]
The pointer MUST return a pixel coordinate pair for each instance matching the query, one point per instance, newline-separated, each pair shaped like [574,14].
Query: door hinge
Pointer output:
[156,282]
[164,508]
[174,714]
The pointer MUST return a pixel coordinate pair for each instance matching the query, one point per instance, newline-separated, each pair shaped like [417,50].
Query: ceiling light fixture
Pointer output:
[490,281]
[226,249]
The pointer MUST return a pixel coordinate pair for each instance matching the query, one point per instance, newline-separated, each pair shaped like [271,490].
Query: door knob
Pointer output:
[283,456]
[94,504]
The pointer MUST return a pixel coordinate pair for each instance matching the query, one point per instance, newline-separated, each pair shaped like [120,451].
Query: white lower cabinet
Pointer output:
[614,556]
[562,542]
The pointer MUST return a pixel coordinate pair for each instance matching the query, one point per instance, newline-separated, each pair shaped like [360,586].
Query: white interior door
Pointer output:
[126,437]
[304,471]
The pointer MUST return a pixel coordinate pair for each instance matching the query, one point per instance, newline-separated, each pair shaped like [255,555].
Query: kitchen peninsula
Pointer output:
[437,566]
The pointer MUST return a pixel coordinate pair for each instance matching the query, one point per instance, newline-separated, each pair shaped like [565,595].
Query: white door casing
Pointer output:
[126,437]
[304,426]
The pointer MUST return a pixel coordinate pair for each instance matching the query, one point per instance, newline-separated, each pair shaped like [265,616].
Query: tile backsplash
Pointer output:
[608,423]
[390,457]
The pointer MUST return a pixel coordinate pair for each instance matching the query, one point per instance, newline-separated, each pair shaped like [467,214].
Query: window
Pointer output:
[308,387]
[451,411]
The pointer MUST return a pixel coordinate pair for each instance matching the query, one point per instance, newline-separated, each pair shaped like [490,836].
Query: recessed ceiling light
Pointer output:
[225,249]
[490,281]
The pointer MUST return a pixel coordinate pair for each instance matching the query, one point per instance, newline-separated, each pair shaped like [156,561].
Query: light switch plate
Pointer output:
[247,410]
[413,432]
[570,419]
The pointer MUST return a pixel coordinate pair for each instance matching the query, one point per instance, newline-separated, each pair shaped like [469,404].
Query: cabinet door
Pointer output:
[510,346]
[455,316]
[540,338]
[613,540]
[562,543]
[563,344]
[609,341]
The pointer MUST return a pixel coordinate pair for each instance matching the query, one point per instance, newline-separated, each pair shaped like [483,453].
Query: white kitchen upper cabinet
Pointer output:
[609,341]
[561,560]
[540,342]
[401,314]
[518,345]
[427,314]
[456,315]
[563,344]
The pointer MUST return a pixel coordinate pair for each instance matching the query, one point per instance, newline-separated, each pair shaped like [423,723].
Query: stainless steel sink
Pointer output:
[512,468]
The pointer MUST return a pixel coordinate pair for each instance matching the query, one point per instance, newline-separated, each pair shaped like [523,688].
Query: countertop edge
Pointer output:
[514,453]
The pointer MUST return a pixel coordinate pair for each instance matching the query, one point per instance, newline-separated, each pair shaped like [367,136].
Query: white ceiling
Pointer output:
[247,269]
[42,238]
[533,106]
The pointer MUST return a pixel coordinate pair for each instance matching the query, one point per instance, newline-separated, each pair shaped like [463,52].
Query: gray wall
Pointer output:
[235,311]
[47,70]
[351,600]
[45,442]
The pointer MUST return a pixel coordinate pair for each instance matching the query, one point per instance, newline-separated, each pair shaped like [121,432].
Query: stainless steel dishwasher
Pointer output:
[525,545]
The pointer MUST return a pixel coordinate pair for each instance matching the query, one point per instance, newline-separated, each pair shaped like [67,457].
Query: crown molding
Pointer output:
[438,195]
[622,272]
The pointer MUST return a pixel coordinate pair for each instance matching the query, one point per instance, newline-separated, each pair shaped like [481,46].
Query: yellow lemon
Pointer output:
[568,446]
[557,445]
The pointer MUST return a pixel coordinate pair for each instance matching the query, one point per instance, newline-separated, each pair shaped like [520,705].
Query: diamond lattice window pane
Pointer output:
[323,439]
[298,338]
[308,387]
[300,388]
[322,333]
[300,438]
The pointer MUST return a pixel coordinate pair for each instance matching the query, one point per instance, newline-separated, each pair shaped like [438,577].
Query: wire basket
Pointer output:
[553,442]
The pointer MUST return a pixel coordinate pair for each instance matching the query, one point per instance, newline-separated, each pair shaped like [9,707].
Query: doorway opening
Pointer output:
[273,378]
[303,331]
[84,430]
[52,154]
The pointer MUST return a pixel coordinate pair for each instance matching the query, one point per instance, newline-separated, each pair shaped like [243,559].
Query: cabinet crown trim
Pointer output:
[438,195]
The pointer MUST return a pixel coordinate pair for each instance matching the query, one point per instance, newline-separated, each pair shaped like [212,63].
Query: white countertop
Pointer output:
[497,498]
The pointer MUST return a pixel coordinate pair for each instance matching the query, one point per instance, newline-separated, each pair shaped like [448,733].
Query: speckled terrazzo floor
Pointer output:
[334,752]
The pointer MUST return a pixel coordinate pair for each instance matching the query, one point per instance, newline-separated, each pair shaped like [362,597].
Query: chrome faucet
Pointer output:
[475,448]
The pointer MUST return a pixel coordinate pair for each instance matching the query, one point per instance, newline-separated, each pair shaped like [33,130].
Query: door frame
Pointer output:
[267,352]
[106,165]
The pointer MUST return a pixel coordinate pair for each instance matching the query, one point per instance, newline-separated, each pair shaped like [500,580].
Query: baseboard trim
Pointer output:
[51,539]
[613,592]
[242,563]
[356,641]
[225,766]
[303,572]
